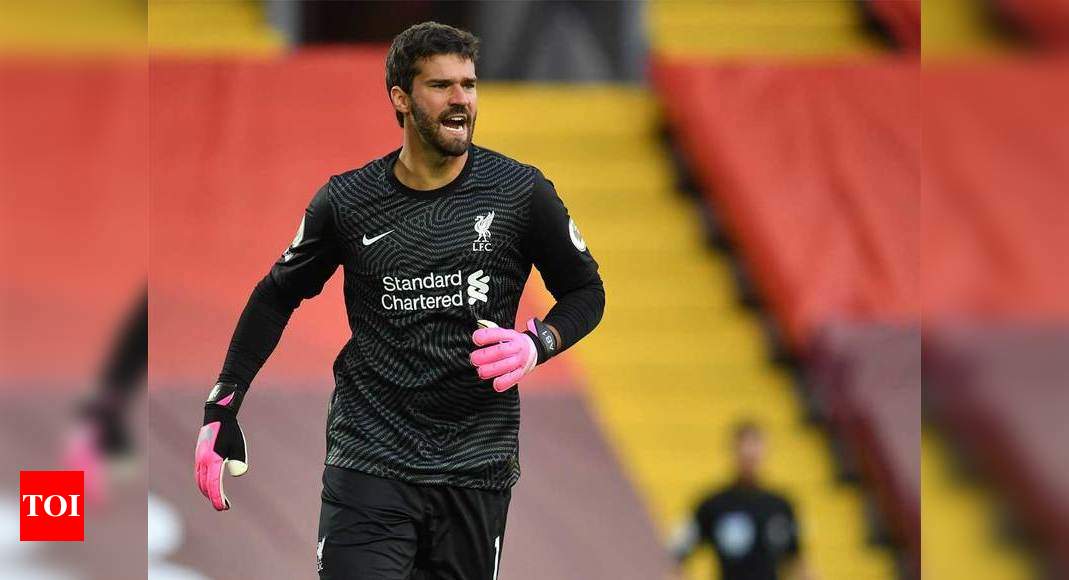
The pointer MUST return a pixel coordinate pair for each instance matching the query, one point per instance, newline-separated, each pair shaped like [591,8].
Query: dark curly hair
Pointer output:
[423,41]
[746,428]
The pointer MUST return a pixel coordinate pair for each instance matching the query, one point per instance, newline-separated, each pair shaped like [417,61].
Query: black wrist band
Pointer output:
[544,340]
[226,395]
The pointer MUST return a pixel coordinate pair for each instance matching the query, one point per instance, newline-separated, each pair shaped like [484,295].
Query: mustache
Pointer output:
[456,111]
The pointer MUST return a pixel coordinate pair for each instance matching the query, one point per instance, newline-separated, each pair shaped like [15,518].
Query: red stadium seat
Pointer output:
[902,18]
[816,171]
[1044,22]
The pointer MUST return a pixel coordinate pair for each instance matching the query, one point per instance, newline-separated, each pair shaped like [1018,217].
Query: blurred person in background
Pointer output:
[100,443]
[752,529]
[437,240]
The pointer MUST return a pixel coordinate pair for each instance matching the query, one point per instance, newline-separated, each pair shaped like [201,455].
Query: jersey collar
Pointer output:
[428,194]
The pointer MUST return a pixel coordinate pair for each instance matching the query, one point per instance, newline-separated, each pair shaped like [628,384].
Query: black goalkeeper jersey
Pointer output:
[751,529]
[421,267]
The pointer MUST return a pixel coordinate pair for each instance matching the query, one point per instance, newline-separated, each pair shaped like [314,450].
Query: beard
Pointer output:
[429,130]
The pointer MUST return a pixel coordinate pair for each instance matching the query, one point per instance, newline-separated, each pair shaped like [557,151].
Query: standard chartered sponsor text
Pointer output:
[423,301]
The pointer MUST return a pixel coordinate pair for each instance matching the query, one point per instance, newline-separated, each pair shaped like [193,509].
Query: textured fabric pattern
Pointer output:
[421,268]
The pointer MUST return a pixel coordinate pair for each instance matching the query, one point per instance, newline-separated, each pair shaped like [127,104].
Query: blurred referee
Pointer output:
[752,530]
[436,241]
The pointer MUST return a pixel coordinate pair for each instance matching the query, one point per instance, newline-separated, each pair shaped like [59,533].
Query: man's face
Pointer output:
[749,454]
[443,103]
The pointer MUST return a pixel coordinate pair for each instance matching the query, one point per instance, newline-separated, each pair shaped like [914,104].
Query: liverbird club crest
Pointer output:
[482,227]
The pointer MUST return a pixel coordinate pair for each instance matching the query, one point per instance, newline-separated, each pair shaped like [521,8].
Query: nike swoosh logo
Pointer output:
[368,241]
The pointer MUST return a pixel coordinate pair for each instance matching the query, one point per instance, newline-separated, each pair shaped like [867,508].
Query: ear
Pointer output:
[400,100]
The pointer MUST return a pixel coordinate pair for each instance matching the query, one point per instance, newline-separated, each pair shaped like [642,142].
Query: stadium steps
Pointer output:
[676,361]
[191,28]
[758,28]
[959,540]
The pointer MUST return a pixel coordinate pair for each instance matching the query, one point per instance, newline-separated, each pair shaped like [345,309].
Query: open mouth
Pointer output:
[455,123]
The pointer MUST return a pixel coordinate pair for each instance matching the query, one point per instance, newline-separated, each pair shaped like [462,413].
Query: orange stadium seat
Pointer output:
[816,171]
[73,210]
[996,165]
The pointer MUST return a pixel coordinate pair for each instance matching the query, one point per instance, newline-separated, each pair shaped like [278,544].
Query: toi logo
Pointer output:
[51,506]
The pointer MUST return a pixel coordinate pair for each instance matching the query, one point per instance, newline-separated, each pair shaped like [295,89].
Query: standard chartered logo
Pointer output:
[398,293]
[478,286]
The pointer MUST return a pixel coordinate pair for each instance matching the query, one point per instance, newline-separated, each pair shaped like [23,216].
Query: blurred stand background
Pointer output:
[796,127]
[994,279]
[74,228]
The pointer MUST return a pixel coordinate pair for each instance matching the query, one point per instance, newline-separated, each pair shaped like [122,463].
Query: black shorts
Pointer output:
[372,528]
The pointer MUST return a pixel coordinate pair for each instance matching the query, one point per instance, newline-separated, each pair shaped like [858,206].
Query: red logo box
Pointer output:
[51,506]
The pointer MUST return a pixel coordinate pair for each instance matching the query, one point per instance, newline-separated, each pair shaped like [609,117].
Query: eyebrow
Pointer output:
[446,80]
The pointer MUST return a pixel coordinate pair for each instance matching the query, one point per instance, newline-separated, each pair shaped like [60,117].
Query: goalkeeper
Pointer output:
[436,241]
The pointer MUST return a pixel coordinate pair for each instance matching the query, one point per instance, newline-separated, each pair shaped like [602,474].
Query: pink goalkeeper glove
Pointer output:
[508,355]
[221,444]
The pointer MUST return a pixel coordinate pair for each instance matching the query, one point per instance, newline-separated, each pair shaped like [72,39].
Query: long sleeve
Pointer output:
[560,253]
[299,273]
